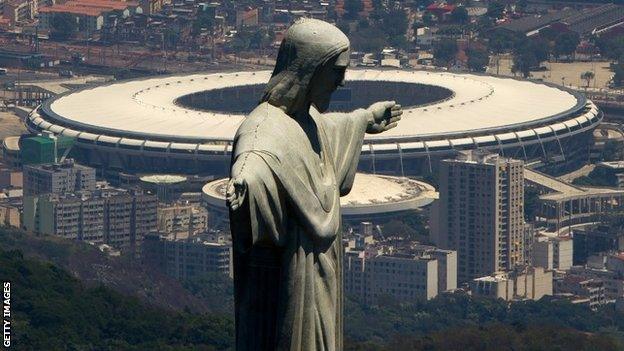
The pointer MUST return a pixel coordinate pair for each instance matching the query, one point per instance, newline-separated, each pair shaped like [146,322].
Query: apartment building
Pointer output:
[115,217]
[188,259]
[58,178]
[480,213]
[370,275]
[182,220]
[528,283]
[553,253]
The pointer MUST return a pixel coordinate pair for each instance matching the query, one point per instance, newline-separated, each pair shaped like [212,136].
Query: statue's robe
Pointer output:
[286,236]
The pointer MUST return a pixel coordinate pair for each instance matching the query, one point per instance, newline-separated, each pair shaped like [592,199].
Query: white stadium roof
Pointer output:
[370,194]
[146,109]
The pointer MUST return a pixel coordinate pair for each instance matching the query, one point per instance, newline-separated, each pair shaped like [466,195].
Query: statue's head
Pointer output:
[310,65]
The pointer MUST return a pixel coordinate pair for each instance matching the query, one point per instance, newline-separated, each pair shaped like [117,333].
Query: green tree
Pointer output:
[428,19]
[444,51]
[484,23]
[495,10]
[477,59]
[523,62]
[618,76]
[262,38]
[612,48]
[394,22]
[171,38]
[352,9]
[501,41]
[548,33]
[460,15]
[566,43]
[63,26]
[363,24]
[521,6]
[370,39]
[587,77]
[613,151]
[203,21]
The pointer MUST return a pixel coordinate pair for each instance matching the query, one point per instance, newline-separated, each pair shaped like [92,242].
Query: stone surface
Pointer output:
[290,164]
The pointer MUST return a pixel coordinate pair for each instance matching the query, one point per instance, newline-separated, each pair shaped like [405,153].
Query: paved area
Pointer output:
[568,73]
[10,125]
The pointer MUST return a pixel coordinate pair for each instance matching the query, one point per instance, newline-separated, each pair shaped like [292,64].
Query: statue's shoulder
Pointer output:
[264,117]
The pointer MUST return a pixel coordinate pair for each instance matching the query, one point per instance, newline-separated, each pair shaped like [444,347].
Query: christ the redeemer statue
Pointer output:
[290,164]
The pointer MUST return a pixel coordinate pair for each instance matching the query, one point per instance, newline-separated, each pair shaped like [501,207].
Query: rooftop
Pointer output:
[146,108]
[372,193]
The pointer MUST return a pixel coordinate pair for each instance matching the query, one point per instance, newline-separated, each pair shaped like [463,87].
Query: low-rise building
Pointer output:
[10,216]
[371,273]
[580,288]
[529,283]
[553,252]
[10,178]
[187,259]
[182,220]
[595,240]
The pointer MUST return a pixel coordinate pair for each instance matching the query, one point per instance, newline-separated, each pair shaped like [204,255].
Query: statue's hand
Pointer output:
[236,192]
[386,115]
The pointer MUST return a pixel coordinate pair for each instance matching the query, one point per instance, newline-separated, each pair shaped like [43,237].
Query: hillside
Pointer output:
[94,268]
[53,311]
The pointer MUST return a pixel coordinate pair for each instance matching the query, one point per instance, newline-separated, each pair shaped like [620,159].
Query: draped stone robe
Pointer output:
[286,236]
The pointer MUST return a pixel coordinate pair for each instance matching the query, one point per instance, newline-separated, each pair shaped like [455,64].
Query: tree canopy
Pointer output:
[477,59]
[444,51]
[495,10]
[352,8]
[566,43]
[62,26]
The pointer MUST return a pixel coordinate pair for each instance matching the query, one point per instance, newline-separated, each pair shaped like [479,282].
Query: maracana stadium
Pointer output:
[185,124]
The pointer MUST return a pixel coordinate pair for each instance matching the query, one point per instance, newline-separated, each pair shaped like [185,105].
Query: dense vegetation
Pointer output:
[53,311]
[459,322]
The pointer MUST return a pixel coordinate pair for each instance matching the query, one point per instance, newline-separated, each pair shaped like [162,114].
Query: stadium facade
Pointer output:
[185,124]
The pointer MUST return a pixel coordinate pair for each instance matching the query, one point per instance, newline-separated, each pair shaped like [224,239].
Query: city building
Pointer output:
[39,149]
[90,15]
[553,252]
[480,213]
[181,220]
[447,268]
[187,259]
[613,281]
[11,151]
[115,217]
[580,289]
[10,178]
[58,178]
[399,276]
[10,216]
[593,240]
[372,271]
[530,283]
